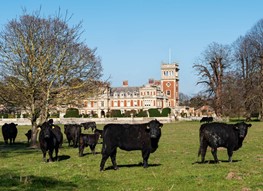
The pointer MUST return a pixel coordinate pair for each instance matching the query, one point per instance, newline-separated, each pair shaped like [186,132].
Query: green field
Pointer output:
[172,167]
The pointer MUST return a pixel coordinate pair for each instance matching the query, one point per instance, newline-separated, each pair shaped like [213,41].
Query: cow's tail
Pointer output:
[201,137]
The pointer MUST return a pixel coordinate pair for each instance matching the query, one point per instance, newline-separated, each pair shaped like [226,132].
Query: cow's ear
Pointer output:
[249,125]
[147,127]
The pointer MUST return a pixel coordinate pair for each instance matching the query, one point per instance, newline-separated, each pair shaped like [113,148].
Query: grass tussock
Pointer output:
[174,166]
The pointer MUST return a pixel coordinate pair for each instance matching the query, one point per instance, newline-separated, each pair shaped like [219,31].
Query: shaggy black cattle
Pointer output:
[207,119]
[216,135]
[28,135]
[90,140]
[144,137]
[50,139]
[88,125]
[9,131]
[72,132]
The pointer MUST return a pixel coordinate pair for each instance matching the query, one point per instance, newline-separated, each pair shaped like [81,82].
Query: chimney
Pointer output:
[151,81]
[125,83]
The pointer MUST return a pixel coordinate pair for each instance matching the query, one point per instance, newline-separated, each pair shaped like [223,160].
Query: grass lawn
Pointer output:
[172,167]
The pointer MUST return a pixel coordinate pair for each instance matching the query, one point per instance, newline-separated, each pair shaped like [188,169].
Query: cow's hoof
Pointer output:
[116,168]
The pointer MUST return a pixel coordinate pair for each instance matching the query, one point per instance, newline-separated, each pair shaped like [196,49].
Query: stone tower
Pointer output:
[170,83]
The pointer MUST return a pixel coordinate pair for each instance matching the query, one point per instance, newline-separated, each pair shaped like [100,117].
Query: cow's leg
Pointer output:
[214,153]
[105,156]
[92,148]
[56,153]
[44,155]
[145,156]
[81,149]
[50,152]
[74,142]
[230,153]
[113,158]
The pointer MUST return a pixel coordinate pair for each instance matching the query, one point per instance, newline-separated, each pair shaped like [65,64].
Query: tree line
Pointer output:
[232,75]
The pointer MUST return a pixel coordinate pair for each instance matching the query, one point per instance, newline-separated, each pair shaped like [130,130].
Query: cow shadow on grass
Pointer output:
[10,150]
[63,157]
[96,153]
[213,162]
[11,179]
[131,166]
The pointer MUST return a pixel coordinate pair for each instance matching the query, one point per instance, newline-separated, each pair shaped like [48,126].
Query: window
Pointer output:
[115,104]
[168,93]
[122,103]
[168,84]
[102,103]
[147,103]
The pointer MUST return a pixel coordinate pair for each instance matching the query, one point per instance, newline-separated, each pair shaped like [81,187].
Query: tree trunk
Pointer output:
[34,135]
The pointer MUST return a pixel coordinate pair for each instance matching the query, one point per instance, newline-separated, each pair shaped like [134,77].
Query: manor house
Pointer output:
[155,94]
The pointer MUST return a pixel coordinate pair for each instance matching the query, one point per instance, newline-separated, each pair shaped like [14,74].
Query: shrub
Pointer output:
[154,113]
[72,112]
[116,113]
[54,115]
[166,112]
[128,113]
[4,115]
[142,114]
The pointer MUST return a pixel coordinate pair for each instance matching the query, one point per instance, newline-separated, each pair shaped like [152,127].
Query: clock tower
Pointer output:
[170,83]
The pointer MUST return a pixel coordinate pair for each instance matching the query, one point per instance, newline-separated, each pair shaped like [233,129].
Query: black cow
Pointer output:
[50,139]
[207,119]
[88,125]
[72,132]
[28,135]
[144,137]
[216,135]
[90,140]
[9,131]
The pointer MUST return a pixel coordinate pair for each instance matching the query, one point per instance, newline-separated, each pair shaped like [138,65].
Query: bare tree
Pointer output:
[256,41]
[232,95]
[247,73]
[43,61]
[211,69]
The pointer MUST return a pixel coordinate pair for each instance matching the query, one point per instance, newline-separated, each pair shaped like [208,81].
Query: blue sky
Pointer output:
[133,37]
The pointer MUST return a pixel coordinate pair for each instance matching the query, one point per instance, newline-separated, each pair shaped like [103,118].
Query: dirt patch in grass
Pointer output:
[233,175]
